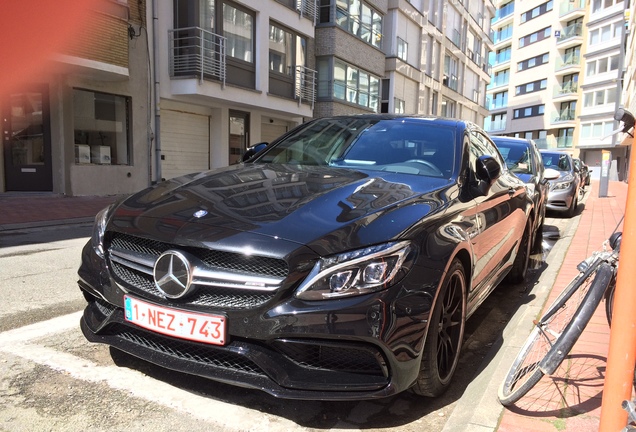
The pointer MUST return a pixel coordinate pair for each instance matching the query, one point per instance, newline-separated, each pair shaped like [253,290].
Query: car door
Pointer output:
[502,217]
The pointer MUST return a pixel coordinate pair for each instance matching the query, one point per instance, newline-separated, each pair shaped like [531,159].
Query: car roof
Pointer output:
[433,119]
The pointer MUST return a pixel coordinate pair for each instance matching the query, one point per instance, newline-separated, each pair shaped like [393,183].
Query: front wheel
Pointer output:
[554,335]
[522,260]
[445,334]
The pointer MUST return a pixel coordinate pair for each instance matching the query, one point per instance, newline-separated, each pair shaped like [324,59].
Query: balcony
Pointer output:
[494,125]
[195,52]
[564,142]
[307,9]
[498,82]
[305,84]
[568,62]
[503,14]
[567,89]
[566,115]
[572,33]
[574,7]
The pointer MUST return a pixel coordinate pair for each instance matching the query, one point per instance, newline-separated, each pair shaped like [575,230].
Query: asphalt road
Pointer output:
[52,379]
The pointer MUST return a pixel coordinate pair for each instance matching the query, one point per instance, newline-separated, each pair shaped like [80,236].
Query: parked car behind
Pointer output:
[584,172]
[524,160]
[564,192]
[340,262]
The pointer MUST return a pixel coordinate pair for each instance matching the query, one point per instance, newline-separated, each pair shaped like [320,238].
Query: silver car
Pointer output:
[564,191]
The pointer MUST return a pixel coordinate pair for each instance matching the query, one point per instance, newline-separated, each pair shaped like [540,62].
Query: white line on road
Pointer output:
[227,416]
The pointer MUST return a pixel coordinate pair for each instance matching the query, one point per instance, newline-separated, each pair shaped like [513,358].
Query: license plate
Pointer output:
[180,324]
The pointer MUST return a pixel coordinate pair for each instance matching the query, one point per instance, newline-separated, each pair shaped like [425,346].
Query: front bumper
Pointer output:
[561,200]
[349,349]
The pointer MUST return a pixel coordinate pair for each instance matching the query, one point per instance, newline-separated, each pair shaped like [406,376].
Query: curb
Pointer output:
[478,409]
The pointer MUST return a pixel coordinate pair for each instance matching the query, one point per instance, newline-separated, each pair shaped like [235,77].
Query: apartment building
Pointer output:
[536,67]
[557,69]
[451,42]
[163,88]
[604,66]
[82,129]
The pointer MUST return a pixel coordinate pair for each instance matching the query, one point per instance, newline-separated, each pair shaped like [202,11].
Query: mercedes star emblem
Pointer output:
[173,274]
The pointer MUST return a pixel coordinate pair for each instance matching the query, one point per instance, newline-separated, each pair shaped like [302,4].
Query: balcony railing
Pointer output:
[566,88]
[570,6]
[568,61]
[494,125]
[305,84]
[563,116]
[503,13]
[498,82]
[196,52]
[308,9]
[564,142]
[571,31]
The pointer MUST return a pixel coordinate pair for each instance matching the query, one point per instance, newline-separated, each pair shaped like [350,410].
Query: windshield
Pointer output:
[517,157]
[557,161]
[410,146]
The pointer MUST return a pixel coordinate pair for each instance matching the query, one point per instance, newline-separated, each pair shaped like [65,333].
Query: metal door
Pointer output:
[27,141]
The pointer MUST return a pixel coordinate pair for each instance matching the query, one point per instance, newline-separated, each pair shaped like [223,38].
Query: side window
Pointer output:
[486,147]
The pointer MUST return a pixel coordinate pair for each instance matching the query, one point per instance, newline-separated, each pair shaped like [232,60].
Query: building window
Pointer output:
[531,87]
[533,62]
[449,108]
[355,17]
[238,29]
[502,34]
[450,79]
[596,130]
[599,97]
[598,5]
[399,106]
[605,33]
[347,83]
[602,65]
[402,49]
[101,124]
[537,11]
[531,111]
[535,37]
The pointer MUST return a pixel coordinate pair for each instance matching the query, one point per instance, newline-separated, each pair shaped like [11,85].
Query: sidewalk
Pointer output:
[570,400]
[25,211]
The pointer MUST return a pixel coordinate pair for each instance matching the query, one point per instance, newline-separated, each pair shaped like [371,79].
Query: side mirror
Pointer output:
[488,171]
[253,151]
[551,174]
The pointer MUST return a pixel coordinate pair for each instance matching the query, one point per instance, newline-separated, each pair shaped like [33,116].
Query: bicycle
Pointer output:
[556,332]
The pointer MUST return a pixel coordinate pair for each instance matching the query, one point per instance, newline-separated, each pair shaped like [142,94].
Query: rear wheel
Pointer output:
[445,334]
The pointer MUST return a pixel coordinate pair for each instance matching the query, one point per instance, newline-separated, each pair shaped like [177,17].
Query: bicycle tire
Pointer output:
[554,335]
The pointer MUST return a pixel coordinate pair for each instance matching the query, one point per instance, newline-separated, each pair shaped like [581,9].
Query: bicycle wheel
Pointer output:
[556,332]
[609,301]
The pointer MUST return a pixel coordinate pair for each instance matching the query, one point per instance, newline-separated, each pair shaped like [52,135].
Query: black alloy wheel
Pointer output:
[445,335]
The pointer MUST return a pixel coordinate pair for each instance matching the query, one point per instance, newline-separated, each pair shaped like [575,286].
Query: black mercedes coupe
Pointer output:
[338,263]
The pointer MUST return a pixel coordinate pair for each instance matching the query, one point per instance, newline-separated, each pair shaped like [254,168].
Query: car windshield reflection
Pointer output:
[412,146]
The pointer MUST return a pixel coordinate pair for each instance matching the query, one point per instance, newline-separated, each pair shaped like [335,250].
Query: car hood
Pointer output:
[328,209]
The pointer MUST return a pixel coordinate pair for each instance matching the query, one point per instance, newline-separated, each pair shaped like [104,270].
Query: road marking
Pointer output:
[22,342]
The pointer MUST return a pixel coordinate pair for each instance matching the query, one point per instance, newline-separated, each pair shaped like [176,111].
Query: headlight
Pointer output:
[99,228]
[562,185]
[354,273]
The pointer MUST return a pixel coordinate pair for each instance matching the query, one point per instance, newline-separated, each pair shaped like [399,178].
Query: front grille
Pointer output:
[190,351]
[341,358]
[132,259]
